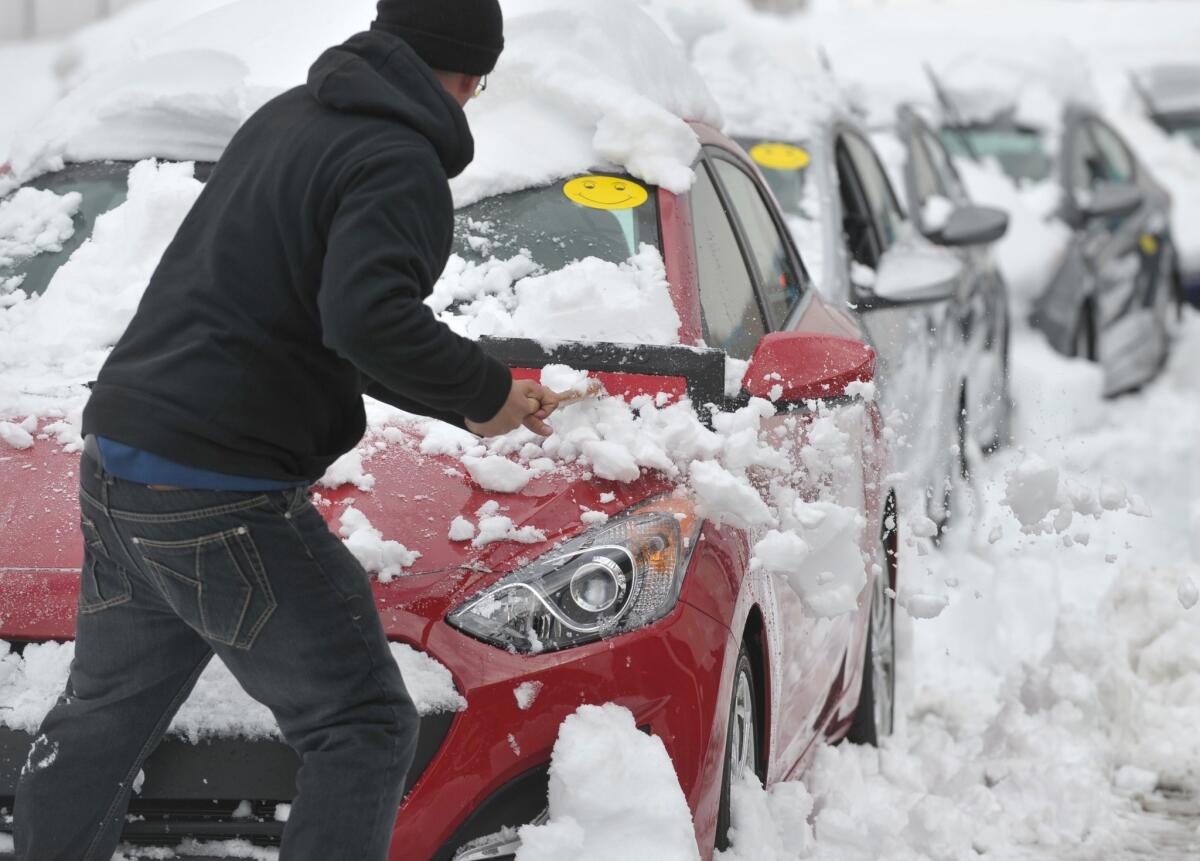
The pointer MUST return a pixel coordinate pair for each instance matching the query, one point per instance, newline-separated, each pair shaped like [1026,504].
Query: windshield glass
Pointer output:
[580,259]
[101,186]
[1188,127]
[1021,152]
[80,193]
[786,166]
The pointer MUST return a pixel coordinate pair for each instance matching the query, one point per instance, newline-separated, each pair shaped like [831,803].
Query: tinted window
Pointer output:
[732,319]
[1117,157]
[940,159]
[1021,152]
[778,282]
[858,228]
[880,198]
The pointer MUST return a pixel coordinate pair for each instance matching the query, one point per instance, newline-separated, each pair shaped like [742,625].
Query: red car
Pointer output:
[719,661]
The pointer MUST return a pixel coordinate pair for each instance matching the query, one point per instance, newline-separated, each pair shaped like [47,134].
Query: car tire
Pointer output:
[741,742]
[874,717]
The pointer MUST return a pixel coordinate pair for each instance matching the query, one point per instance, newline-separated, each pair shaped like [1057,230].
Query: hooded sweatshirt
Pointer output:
[296,282]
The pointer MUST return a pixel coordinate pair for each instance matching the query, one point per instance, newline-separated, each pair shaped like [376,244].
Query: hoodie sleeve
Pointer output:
[388,242]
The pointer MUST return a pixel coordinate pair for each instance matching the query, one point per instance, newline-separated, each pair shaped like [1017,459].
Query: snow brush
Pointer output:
[594,389]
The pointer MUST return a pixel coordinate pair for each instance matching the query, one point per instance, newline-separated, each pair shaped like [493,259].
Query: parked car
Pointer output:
[1111,295]
[910,295]
[719,661]
[1171,96]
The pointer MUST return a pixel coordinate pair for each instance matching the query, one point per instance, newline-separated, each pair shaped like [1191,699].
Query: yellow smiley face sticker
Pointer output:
[779,156]
[1149,244]
[605,192]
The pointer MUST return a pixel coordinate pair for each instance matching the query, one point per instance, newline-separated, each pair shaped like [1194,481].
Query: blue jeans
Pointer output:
[171,577]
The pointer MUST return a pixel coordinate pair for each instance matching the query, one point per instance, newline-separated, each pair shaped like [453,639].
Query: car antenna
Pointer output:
[951,111]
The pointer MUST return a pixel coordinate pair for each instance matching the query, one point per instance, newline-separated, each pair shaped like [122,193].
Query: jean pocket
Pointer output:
[216,583]
[102,582]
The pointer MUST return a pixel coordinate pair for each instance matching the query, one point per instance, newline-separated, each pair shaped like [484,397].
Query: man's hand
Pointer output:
[528,404]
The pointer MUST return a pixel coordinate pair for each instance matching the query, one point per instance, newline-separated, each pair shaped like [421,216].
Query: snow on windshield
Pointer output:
[32,222]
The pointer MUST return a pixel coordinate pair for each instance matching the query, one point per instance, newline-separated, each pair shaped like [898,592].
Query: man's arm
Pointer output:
[390,230]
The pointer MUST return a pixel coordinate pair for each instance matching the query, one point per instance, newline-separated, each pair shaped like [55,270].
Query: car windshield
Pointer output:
[554,225]
[1021,152]
[786,166]
[1189,127]
[101,186]
[578,260]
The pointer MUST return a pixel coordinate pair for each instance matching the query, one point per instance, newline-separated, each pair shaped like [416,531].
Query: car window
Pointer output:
[878,191]
[733,320]
[779,282]
[926,181]
[1116,154]
[858,227]
[1022,153]
[942,165]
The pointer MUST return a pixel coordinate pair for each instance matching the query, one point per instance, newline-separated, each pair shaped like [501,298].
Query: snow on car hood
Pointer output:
[31,681]
[575,88]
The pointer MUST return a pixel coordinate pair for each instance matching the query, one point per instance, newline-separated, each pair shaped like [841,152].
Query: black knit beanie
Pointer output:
[463,36]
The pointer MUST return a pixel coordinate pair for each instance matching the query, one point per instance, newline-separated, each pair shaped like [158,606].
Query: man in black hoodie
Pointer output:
[294,286]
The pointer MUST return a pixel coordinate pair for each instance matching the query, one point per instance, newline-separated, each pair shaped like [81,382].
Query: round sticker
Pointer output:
[779,156]
[1149,244]
[605,192]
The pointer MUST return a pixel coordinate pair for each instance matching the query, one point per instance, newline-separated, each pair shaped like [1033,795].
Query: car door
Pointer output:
[981,312]
[917,376]
[768,291]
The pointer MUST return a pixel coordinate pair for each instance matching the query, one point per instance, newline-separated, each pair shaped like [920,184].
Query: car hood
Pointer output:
[414,499]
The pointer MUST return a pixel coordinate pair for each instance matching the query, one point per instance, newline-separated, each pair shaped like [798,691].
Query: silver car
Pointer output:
[908,290]
[1111,295]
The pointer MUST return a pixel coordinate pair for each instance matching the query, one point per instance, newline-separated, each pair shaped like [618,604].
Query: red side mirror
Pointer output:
[807,366]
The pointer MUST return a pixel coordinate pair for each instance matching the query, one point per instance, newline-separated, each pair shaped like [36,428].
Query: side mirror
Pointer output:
[909,273]
[807,366]
[1109,200]
[972,225]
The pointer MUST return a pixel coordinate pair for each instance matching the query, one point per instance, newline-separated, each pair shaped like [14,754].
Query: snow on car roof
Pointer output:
[1171,88]
[768,78]
[575,88]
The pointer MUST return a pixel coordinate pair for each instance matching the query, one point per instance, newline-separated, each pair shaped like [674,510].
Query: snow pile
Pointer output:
[348,469]
[579,87]
[31,682]
[63,336]
[1035,490]
[613,794]
[525,694]
[33,221]
[586,300]
[767,77]
[377,555]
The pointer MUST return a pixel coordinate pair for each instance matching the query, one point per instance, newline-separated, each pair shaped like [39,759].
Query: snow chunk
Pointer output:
[497,473]
[1188,594]
[497,527]
[922,605]
[348,469]
[377,555]
[526,693]
[33,221]
[429,683]
[724,498]
[461,529]
[1032,490]
[613,794]
[15,436]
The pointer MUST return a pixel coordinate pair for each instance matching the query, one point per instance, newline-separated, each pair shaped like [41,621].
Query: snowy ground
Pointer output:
[1052,703]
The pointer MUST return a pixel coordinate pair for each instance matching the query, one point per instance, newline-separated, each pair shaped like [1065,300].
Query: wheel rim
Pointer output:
[742,748]
[883,655]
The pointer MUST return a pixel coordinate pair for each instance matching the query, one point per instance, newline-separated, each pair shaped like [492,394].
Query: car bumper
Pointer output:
[476,771]
[491,770]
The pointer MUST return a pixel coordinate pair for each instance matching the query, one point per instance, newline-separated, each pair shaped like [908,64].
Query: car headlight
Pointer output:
[612,579]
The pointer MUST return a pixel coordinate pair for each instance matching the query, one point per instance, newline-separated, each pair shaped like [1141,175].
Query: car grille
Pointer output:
[201,791]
